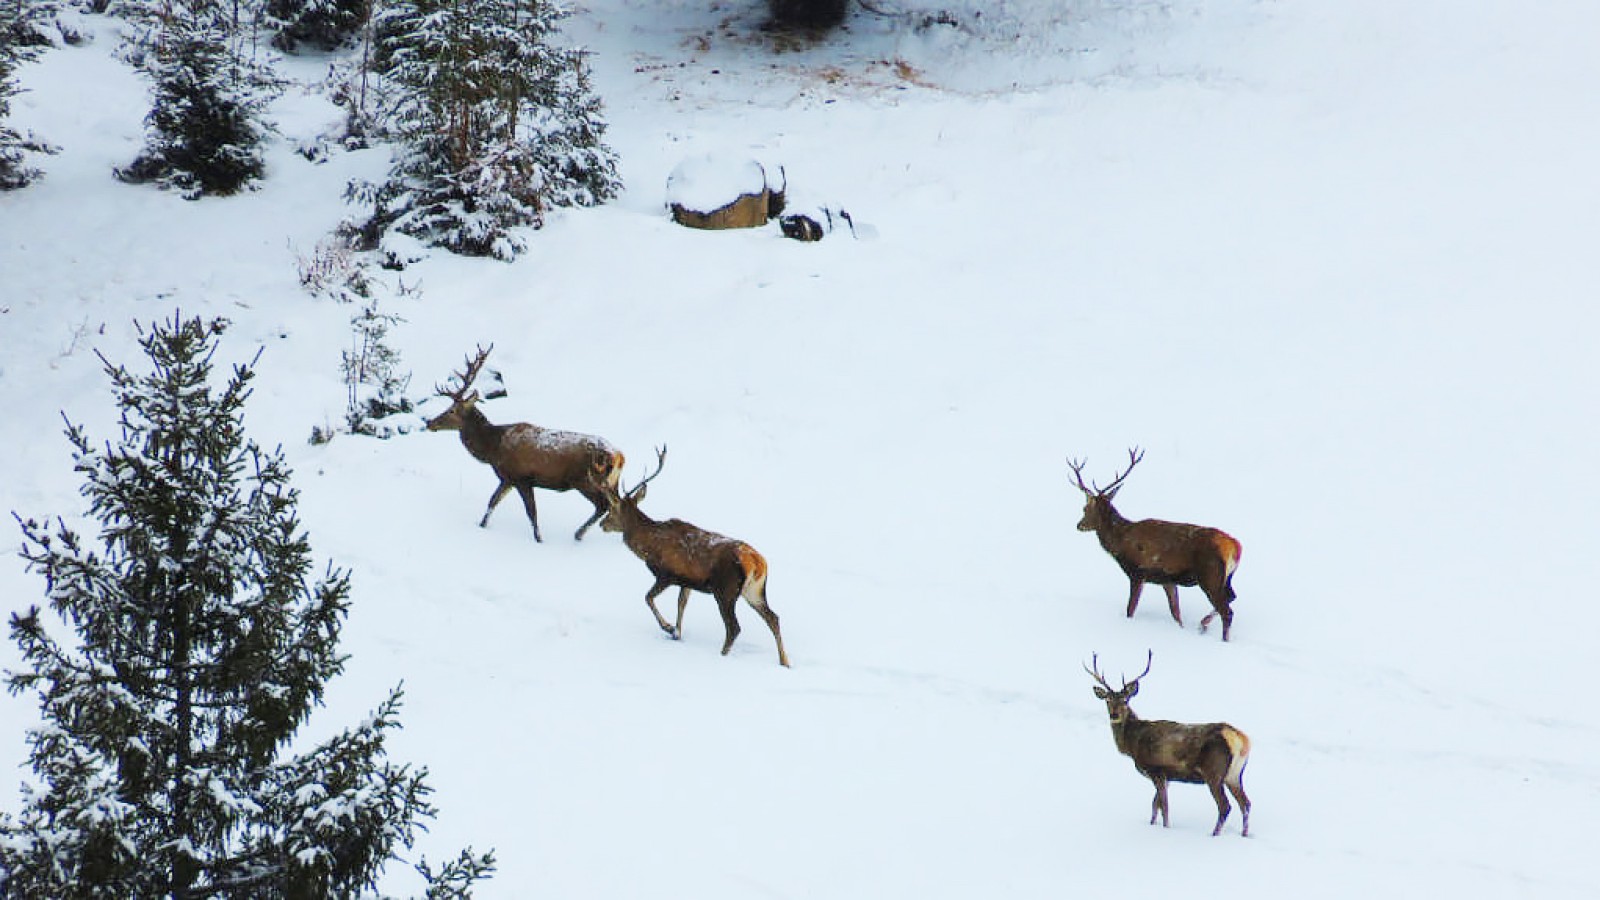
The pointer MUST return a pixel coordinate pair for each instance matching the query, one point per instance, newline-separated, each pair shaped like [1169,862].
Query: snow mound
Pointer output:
[710,181]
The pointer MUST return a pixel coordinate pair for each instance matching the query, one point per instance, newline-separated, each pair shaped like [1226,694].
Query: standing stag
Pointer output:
[1213,755]
[1165,553]
[526,456]
[694,559]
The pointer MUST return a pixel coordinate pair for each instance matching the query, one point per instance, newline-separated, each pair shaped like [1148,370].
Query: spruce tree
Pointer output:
[203,642]
[320,24]
[20,41]
[205,125]
[374,384]
[497,124]
[14,171]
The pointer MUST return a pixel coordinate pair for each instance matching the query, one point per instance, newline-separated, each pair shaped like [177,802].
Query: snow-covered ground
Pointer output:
[1333,265]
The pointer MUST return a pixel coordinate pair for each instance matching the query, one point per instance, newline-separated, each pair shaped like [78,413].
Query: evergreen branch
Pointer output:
[202,648]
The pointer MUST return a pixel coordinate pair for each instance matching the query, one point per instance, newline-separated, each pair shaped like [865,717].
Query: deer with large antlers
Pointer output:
[1214,754]
[1166,553]
[526,456]
[693,559]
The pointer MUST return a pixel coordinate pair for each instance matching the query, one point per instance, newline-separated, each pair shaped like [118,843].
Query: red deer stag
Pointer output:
[1213,755]
[1165,553]
[694,559]
[526,456]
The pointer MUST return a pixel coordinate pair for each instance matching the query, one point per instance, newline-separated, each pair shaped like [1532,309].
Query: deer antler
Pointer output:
[1149,660]
[1093,490]
[661,461]
[1077,472]
[466,376]
[1134,455]
[1095,672]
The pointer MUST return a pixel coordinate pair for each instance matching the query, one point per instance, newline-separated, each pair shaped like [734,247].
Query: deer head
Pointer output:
[1117,700]
[1097,510]
[461,395]
[625,502]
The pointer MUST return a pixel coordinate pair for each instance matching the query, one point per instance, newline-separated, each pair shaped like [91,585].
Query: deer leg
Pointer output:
[683,603]
[1221,598]
[1159,803]
[1172,602]
[499,494]
[1236,787]
[526,490]
[601,507]
[730,620]
[650,598]
[1135,588]
[1222,804]
[1236,783]
[1227,619]
[757,598]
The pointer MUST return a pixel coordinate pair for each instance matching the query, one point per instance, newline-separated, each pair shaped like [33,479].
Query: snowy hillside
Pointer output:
[1332,265]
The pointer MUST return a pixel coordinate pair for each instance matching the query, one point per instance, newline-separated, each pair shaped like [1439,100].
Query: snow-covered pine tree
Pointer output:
[205,127]
[20,41]
[496,124]
[14,171]
[321,24]
[202,645]
[29,23]
[376,388]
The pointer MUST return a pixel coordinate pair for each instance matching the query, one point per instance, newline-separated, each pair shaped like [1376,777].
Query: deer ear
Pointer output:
[638,493]
[1132,689]
[1111,494]
[1101,693]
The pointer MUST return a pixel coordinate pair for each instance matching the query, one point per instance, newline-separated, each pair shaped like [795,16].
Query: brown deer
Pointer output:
[1165,553]
[694,559]
[526,456]
[1213,755]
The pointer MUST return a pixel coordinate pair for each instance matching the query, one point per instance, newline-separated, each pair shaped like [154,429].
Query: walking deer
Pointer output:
[526,456]
[1214,754]
[1165,553]
[693,559]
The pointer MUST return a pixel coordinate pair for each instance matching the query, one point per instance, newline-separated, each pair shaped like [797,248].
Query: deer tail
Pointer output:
[1238,750]
[1230,550]
[755,575]
[612,464]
